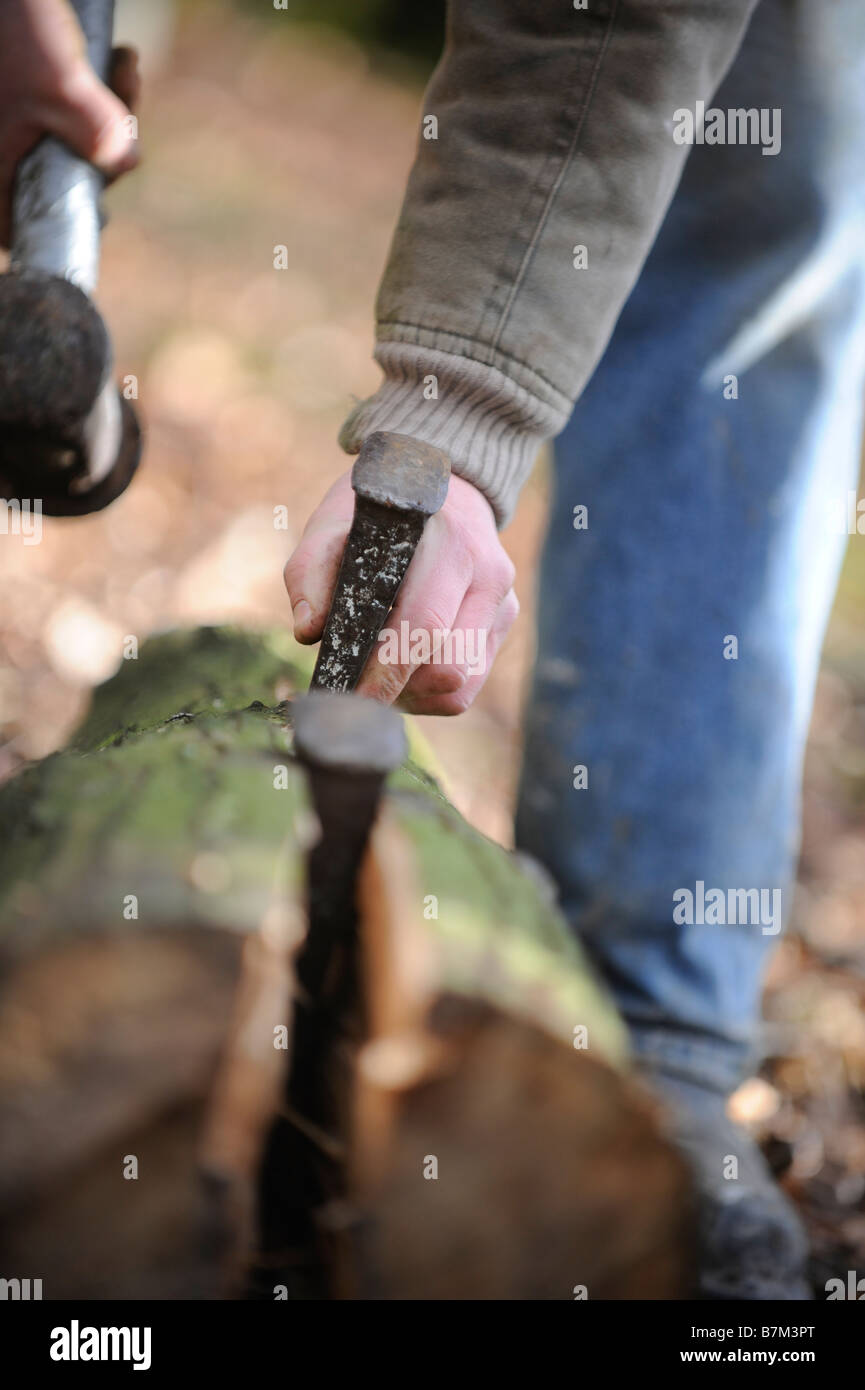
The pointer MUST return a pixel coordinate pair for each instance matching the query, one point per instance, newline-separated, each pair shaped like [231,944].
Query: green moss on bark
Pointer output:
[180,792]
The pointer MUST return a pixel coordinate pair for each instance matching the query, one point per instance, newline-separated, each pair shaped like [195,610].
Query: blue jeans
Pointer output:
[711,515]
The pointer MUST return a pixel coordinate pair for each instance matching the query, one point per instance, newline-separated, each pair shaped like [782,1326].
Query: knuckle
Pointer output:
[511,608]
[496,577]
[506,572]
[431,622]
[438,680]
[385,681]
[456,703]
[444,705]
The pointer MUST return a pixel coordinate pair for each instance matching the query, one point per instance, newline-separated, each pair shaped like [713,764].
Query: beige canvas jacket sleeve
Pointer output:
[546,128]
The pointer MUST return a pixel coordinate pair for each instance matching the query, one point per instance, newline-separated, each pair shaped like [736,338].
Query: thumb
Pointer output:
[310,579]
[93,122]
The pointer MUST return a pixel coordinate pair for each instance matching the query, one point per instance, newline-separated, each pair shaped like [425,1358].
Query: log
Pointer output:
[480,1136]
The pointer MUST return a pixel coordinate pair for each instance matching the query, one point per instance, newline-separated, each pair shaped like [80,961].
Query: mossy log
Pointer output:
[488,1141]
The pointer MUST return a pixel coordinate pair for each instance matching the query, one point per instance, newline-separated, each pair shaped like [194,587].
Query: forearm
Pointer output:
[554,132]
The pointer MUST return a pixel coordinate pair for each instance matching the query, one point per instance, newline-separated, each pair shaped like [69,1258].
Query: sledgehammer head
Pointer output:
[66,434]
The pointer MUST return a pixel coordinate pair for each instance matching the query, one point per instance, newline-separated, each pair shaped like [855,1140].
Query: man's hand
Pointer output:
[453,611]
[47,87]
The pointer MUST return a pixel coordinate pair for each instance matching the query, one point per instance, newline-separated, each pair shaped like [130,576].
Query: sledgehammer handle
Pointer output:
[399,483]
[56,216]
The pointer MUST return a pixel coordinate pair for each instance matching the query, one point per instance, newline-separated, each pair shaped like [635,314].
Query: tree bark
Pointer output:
[487,1140]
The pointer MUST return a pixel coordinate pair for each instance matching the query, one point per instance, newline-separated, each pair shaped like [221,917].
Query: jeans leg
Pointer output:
[709,518]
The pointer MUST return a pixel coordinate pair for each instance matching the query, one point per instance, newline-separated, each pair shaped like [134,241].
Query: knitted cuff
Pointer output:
[490,427]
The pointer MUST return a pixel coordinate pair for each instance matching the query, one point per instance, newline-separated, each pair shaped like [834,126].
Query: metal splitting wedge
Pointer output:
[399,483]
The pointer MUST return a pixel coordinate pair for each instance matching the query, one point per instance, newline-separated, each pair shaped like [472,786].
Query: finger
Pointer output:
[454,702]
[93,122]
[464,654]
[14,144]
[124,76]
[310,577]
[425,610]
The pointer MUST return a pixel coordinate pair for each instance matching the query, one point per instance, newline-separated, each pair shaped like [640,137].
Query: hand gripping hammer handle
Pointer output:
[56,215]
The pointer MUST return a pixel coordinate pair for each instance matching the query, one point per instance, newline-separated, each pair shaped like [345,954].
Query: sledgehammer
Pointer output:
[67,436]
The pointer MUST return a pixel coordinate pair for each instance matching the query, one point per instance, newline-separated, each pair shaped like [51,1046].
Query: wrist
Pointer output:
[490,427]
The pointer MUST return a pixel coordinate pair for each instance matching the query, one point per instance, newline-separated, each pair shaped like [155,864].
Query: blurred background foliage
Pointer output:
[412,30]
[404,32]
